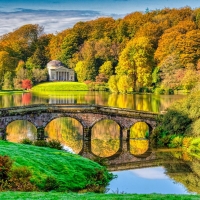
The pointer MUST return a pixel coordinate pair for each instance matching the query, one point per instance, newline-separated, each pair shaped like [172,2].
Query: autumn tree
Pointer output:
[21,43]
[136,61]
[106,69]
[112,83]
[26,84]
[124,84]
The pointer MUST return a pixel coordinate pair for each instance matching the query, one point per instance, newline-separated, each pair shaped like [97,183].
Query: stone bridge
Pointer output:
[87,115]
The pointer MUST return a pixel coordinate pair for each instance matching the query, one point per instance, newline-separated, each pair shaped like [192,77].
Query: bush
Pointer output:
[55,144]
[176,142]
[5,167]
[19,180]
[159,91]
[26,141]
[50,184]
[41,143]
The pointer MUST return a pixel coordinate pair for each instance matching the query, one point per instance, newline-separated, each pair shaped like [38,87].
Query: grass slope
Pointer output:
[73,172]
[89,196]
[60,86]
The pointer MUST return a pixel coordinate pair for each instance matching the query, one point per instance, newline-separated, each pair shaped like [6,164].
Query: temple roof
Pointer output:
[54,64]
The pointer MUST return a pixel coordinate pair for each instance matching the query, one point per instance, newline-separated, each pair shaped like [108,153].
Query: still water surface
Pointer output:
[146,102]
[139,169]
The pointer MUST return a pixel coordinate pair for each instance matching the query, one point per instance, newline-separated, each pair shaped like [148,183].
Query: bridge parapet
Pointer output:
[77,108]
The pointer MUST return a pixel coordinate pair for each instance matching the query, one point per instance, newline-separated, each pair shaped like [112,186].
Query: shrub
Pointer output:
[5,167]
[55,144]
[98,181]
[159,91]
[176,142]
[41,143]
[50,184]
[26,141]
[19,180]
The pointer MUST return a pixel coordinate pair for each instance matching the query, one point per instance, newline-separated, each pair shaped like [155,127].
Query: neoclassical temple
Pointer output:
[58,72]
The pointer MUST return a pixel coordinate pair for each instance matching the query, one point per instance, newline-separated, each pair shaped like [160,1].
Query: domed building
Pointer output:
[58,72]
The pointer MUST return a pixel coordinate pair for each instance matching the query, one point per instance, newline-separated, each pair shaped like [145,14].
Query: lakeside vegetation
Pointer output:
[180,125]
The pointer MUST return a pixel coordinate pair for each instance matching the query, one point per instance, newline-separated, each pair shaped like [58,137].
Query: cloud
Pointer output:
[53,21]
[150,173]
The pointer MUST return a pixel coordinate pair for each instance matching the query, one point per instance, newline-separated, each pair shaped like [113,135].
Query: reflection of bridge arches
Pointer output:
[105,138]
[122,159]
[18,130]
[138,147]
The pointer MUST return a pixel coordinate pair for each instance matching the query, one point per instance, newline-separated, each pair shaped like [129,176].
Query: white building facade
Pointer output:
[58,72]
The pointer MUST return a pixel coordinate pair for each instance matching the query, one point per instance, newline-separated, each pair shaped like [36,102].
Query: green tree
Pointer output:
[8,81]
[39,75]
[7,63]
[136,61]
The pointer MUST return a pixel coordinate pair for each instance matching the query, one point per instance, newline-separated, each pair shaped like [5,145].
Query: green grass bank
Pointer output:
[60,86]
[93,196]
[72,172]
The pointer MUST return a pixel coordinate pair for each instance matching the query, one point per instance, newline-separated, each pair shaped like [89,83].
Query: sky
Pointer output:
[150,180]
[58,15]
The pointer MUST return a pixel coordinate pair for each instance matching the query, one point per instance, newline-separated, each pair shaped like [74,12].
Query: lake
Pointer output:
[146,102]
[139,168]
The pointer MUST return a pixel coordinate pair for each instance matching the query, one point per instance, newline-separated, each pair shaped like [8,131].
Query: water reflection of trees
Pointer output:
[185,172]
[19,130]
[146,102]
[66,130]
[105,138]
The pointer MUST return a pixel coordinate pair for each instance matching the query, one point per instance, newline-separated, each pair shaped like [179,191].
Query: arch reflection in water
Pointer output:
[138,147]
[138,142]
[105,138]
[68,131]
[19,130]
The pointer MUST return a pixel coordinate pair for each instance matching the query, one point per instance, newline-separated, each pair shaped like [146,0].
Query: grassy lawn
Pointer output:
[86,196]
[72,172]
[60,86]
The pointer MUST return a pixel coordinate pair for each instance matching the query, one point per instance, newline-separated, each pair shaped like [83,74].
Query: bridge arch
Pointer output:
[18,130]
[105,138]
[67,130]
[54,116]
